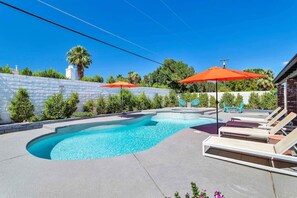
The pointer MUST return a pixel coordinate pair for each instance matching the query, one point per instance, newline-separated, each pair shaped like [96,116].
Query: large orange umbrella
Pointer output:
[120,84]
[220,74]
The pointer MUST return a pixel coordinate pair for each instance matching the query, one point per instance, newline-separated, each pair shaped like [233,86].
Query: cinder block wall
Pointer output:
[280,96]
[40,89]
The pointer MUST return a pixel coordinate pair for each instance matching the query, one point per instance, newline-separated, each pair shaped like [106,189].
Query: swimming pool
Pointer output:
[114,138]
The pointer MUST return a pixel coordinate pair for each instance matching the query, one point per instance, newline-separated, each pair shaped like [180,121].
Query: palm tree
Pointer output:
[80,57]
[266,83]
[134,77]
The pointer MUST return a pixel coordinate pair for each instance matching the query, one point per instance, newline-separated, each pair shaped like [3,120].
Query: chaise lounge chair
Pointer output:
[182,103]
[257,133]
[253,119]
[272,122]
[223,148]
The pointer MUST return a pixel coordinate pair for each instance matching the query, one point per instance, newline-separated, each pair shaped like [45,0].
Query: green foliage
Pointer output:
[55,107]
[269,101]
[188,97]
[83,114]
[166,101]
[129,100]
[113,104]
[254,101]
[228,98]
[35,119]
[101,105]
[21,109]
[173,101]
[26,72]
[6,70]
[110,80]
[212,101]
[134,78]
[50,73]
[96,78]
[203,97]
[80,57]
[143,102]
[71,105]
[157,102]
[170,73]
[120,77]
[89,106]
[238,100]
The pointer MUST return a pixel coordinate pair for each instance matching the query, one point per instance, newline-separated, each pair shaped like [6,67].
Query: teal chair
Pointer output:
[240,108]
[195,103]
[226,109]
[182,103]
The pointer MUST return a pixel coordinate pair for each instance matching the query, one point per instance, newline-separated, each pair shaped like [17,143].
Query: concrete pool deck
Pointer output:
[160,171]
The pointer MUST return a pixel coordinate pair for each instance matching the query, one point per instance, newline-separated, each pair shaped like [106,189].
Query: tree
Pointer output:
[26,72]
[134,78]
[110,80]
[21,109]
[96,78]
[266,83]
[6,70]
[101,105]
[170,73]
[80,57]
[120,77]
[50,73]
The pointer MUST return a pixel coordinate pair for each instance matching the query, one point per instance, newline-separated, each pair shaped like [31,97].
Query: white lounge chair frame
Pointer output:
[257,132]
[253,119]
[246,147]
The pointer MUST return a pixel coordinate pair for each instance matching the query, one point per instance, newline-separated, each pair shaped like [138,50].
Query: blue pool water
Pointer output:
[107,140]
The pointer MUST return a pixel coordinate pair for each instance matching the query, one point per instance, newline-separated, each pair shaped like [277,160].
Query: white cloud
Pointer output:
[285,62]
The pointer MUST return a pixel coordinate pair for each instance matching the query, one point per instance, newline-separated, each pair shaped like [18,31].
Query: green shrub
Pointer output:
[113,104]
[35,119]
[26,72]
[228,98]
[83,114]
[21,109]
[203,97]
[157,102]
[268,101]
[166,101]
[189,97]
[96,78]
[101,105]
[254,101]
[212,101]
[238,100]
[6,70]
[50,73]
[71,105]
[173,102]
[89,106]
[55,107]
[143,102]
[128,100]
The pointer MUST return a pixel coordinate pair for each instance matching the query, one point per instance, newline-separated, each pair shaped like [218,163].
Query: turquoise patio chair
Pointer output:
[182,103]
[226,109]
[195,103]
[240,108]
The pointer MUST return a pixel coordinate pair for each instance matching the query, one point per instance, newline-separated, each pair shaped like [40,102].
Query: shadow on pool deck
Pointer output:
[209,128]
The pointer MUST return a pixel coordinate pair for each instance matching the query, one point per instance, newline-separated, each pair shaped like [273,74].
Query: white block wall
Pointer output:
[245,95]
[40,89]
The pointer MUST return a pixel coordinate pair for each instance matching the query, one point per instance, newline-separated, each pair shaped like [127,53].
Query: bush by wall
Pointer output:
[89,106]
[21,109]
[189,97]
[238,100]
[101,105]
[254,101]
[113,104]
[71,105]
[143,102]
[129,100]
[203,97]
[173,102]
[157,102]
[212,101]
[55,107]
[269,101]
[228,98]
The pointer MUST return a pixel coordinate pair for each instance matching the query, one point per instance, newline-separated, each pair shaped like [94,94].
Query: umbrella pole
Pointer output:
[217,103]
[121,99]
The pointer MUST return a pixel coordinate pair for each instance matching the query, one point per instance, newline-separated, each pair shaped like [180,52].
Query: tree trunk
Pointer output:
[80,72]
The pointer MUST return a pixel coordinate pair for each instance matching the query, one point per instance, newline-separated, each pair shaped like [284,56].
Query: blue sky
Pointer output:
[250,33]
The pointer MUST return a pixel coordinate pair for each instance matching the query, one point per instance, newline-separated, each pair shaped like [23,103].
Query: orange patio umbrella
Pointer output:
[220,74]
[120,84]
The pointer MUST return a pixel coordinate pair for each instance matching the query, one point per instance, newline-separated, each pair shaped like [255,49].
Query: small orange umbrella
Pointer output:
[220,74]
[120,84]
